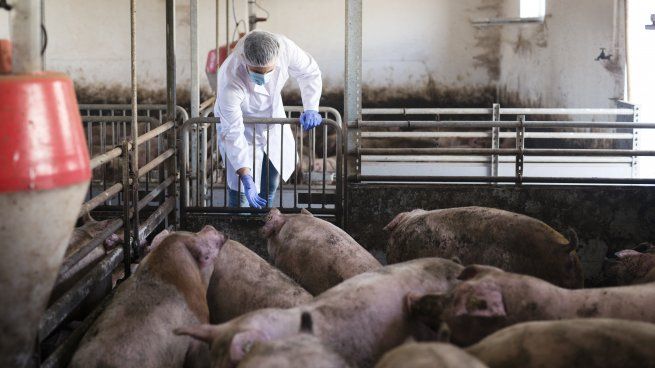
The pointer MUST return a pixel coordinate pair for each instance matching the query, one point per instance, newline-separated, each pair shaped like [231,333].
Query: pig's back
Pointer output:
[365,316]
[242,282]
[476,235]
[318,254]
[135,330]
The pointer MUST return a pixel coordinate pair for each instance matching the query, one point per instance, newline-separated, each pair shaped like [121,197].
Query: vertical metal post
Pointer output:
[171,99]
[353,89]
[26,34]
[135,128]
[635,142]
[127,240]
[495,140]
[520,139]
[193,42]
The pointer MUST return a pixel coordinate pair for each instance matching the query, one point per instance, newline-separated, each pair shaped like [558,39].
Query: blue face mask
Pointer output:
[258,78]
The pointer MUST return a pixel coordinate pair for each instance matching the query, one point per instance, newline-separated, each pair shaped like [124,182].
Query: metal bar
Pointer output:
[280,175]
[495,139]
[295,166]
[143,202]
[64,352]
[268,164]
[203,164]
[504,159]
[101,198]
[310,157]
[98,160]
[171,98]
[156,132]
[325,132]
[193,45]
[118,119]
[503,151]
[353,86]
[26,34]
[500,135]
[155,219]
[518,164]
[231,210]
[127,239]
[501,179]
[500,124]
[486,111]
[156,162]
[58,312]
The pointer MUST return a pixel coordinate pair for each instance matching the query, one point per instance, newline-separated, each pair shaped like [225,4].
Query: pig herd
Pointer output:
[464,287]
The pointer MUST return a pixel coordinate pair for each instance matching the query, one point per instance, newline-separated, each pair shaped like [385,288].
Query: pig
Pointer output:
[631,266]
[479,235]
[361,318]
[489,299]
[428,355]
[314,252]
[589,343]
[80,237]
[167,289]
[299,351]
[243,282]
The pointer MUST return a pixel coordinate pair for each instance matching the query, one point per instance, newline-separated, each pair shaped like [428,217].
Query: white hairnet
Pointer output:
[260,48]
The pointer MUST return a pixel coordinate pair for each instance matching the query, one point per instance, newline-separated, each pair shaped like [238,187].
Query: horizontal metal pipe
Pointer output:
[58,312]
[504,135]
[64,352]
[503,151]
[271,121]
[254,211]
[98,160]
[179,109]
[74,258]
[500,124]
[118,119]
[501,179]
[143,202]
[100,198]
[484,111]
[156,162]
[502,159]
[155,132]
[156,218]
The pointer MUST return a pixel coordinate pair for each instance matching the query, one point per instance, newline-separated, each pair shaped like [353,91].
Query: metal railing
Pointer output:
[489,162]
[124,190]
[313,184]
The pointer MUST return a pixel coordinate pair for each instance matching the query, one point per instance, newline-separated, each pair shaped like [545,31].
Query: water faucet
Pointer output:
[603,56]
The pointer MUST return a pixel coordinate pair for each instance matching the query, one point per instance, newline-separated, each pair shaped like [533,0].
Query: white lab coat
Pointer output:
[235,101]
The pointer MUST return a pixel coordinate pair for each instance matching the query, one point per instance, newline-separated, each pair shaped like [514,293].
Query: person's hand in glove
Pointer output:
[310,119]
[250,190]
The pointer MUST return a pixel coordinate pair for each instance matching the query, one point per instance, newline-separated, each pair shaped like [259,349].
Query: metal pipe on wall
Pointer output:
[171,97]
[26,34]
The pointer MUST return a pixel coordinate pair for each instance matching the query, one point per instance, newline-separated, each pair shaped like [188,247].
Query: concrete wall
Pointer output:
[418,52]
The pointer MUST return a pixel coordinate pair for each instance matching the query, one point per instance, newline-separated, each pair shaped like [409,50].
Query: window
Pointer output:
[533,8]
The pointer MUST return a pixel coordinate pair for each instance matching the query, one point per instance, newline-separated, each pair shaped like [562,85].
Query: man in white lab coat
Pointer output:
[249,86]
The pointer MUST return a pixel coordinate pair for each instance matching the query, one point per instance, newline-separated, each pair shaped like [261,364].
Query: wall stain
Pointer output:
[488,39]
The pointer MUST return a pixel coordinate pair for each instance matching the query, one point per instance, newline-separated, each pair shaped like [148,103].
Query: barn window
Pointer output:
[532,9]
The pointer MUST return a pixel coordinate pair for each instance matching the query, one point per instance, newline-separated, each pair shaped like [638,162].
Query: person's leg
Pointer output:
[233,200]
[270,181]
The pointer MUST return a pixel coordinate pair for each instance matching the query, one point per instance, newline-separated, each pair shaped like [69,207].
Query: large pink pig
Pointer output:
[361,318]
[490,299]
[480,235]
[243,282]
[314,252]
[589,343]
[167,289]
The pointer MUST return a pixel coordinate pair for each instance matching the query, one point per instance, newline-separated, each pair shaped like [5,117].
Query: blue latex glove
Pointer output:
[310,119]
[251,192]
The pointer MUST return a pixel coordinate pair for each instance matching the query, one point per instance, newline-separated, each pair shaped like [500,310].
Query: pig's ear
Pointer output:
[396,220]
[243,342]
[206,250]
[274,222]
[626,253]
[484,299]
[472,271]
[305,212]
[158,239]
[206,332]
[573,240]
